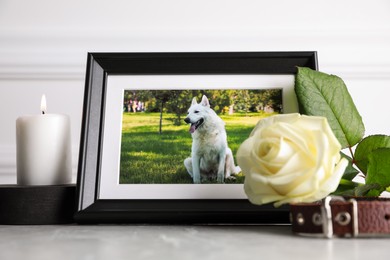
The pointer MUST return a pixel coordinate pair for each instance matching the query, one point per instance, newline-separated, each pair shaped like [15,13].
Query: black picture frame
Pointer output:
[90,209]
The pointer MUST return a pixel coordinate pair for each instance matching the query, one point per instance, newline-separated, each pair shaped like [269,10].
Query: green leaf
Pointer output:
[378,170]
[346,188]
[369,190]
[320,94]
[374,192]
[350,172]
[354,189]
[366,146]
[344,191]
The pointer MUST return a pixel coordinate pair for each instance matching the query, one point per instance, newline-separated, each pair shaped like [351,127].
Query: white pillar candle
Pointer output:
[43,149]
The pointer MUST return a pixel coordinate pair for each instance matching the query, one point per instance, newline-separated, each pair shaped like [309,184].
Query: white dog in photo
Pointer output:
[211,157]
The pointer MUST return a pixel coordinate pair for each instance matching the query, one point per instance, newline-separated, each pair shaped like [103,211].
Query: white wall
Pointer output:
[44,45]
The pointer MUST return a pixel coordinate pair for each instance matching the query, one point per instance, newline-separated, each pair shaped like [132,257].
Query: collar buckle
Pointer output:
[342,219]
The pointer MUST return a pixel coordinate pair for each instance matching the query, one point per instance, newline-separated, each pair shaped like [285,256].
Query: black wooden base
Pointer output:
[37,205]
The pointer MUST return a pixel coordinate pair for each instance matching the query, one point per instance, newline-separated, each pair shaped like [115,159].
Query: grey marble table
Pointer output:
[179,242]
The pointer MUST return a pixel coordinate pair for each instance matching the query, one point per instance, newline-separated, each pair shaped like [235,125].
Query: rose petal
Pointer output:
[260,193]
[332,183]
[244,159]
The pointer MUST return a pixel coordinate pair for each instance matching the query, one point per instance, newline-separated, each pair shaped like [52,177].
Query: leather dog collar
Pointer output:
[336,216]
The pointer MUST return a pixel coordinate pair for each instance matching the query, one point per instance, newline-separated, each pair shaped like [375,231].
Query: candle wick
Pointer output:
[43,112]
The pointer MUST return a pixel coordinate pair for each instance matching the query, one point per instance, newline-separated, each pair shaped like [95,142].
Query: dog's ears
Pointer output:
[205,101]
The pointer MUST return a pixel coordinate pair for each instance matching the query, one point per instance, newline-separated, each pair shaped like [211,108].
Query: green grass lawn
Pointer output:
[152,158]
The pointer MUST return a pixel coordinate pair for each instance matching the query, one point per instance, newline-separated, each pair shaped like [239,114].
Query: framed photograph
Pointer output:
[160,134]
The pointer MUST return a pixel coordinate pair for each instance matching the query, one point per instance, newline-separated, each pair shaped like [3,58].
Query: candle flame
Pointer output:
[43,104]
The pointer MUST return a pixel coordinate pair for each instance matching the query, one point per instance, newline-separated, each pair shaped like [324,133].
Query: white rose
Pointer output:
[291,158]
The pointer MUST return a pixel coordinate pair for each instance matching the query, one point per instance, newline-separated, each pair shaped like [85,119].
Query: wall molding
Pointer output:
[8,163]
[51,72]
[56,54]
[7,160]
